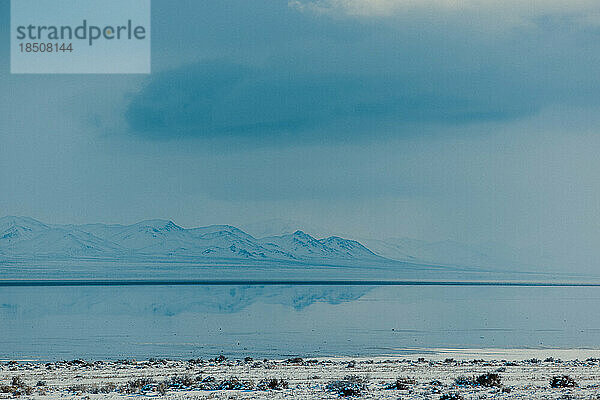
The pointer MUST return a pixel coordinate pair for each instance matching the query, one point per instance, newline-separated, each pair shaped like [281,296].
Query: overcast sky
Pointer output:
[467,120]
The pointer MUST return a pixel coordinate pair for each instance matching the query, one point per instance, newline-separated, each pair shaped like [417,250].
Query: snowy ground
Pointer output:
[419,378]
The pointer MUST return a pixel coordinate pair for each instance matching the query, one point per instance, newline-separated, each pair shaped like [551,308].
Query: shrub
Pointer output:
[564,381]
[219,359]
[272,384]
[234,383]
[78,388]
[182,381]
[351,385]
[208,383]
[464,381]
[489,379]
[161,388]
[17,387]
[18,382]
[6,389]
[137,386]
[105,388]
[451,396]
[96,389]
[401,384]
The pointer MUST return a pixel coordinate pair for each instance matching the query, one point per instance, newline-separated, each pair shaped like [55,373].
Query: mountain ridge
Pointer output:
[27,237]
[154,240]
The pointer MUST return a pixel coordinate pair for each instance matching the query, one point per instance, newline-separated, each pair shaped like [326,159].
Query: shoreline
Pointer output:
[429,353]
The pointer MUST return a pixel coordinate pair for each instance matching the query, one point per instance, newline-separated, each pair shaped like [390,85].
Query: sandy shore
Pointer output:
[221,378]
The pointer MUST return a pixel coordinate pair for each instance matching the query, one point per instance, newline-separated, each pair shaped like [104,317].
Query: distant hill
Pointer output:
[163,240]
[27,237]
[492,256]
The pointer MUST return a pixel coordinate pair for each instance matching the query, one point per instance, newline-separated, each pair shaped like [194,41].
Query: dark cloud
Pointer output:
[221,98]
[401,72]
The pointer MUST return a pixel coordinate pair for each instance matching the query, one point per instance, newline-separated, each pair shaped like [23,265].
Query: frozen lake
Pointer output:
[97,322]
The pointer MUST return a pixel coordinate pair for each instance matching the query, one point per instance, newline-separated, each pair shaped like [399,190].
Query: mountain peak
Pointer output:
[160,224]
[23,222]
[279,227]
[348,246]
[304,237]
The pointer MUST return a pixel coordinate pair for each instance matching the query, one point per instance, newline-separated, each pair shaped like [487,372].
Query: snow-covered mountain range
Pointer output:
[153,240]
[27,237]
[490,256]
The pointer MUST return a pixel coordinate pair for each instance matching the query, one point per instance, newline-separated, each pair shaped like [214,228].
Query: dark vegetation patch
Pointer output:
[178,382]
[464,381]
[234,383]
[95,388]
[207,383]
[351,385]
[218,359]
[272,384]
[401,384]
[137,386]
[564,381]
[17,387]
[489,379]
[451,396]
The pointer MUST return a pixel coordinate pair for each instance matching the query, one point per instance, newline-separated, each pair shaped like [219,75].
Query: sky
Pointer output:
[467,120]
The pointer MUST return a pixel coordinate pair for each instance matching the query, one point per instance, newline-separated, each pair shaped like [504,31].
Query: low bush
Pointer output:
[234,383]
[181,381]
[272,384]
[451,396]
[351,385]
[137,386]
[219,359]
[96,389]
[207,383]
[401,384]
[564,381]
[464,381]
[490,379]
[17,387]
